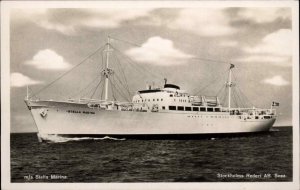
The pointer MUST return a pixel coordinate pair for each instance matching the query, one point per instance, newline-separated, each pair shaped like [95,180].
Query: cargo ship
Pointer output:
[153,112]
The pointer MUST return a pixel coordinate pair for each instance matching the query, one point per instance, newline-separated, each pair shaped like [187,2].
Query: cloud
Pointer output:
[157,50]
[48,60]
[276,80]
[228,43]
[69,21]
[275,48]
[278,43]
[20,80]
[263,15]
[203,22]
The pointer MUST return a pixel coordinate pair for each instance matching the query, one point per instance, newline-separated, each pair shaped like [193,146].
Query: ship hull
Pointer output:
[74,119]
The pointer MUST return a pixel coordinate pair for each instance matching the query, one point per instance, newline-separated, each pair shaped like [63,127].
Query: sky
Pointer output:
[191,47]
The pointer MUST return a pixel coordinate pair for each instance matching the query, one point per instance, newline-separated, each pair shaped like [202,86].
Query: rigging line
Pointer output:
[87,93]
[117,85]
[210,83]
[122,73]
[234,98]
[86,87]
[112,91]
[242,92]
[90,90]
[119,91]
[239,97]
[224,97]
[96,88]
[100,65]
[102,56]
[118,62]
[125,41]
[247,102]
[210,60]
[102,91]
[123,85]
[138,69]
[223,93]
[198,58]
[243,97]
[131,64]
[223,86]
[138,65]
[69,70]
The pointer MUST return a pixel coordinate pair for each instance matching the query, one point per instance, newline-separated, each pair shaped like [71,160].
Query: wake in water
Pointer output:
[60,139]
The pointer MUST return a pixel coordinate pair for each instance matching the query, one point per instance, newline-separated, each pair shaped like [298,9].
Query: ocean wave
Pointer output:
[60,139]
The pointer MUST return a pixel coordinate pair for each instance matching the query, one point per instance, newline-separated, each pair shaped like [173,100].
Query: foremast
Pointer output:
[106,72]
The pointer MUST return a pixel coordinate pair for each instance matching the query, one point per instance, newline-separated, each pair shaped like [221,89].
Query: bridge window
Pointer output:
[161,99]
[163,107]
[157,99]
[217,110]
[172,107]
[210,109]
[171,95]
[180,108]
[195,109]
[154,100]
[188,109]
[202,109]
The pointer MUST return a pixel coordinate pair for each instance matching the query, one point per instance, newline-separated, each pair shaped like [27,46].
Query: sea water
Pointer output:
[260,157]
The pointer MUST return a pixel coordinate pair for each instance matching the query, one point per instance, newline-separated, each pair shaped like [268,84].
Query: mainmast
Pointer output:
[107,71]
[229,84]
